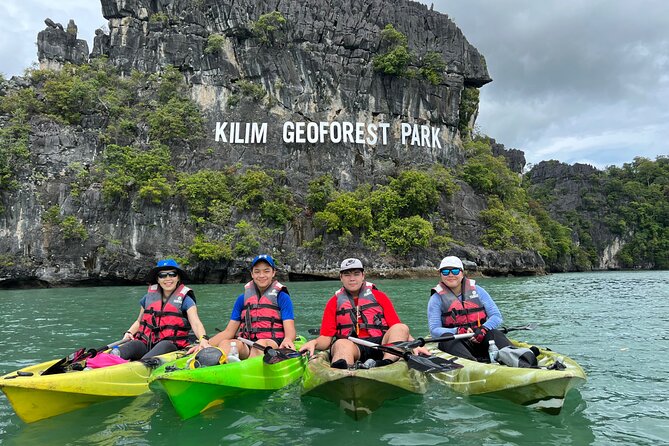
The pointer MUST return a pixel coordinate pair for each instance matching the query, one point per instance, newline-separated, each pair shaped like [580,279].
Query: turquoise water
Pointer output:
[613,323]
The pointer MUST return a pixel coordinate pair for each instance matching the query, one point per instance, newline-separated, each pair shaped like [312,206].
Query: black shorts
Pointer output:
[370,352]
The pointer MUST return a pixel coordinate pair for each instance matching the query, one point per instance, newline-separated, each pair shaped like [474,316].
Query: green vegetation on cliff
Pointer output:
[396,59]
[398,214]
[633,201]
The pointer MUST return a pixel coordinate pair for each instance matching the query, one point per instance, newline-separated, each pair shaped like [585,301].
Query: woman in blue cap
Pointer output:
[167,316]
[263,313]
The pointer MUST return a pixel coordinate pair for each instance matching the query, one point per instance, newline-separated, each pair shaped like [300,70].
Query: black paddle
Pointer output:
[425,364]
[79,355]
[272,355]
[522,327]
[419,342]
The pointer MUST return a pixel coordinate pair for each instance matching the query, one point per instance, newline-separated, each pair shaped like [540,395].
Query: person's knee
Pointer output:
[398,332]
[339,346]
[344,348]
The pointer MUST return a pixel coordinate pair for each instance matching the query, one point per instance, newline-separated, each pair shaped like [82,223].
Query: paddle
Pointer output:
[419,342]
[425,364]
[522,327]
[272,355]
[78,355]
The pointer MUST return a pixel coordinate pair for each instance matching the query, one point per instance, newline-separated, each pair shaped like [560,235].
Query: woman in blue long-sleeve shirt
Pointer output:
[457,305]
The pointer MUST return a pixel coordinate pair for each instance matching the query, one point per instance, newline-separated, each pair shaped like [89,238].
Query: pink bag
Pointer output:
[104,360]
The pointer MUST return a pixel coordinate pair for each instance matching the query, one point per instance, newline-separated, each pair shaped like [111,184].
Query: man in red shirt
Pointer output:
[361,310]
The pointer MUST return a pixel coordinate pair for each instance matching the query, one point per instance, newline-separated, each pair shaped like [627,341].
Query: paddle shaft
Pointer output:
[522,327]
[250,343]
[112,345]
[383,348]
[426,364]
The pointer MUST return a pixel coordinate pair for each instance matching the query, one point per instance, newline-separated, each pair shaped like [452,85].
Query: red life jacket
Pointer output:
[467,311]
[261,316]
[165,321]
[368,309]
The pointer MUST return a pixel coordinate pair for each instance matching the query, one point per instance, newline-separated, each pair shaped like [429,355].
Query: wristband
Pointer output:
[130,333]
[205,337]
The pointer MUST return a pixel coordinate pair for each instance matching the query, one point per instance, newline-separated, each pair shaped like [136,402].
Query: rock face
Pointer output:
[515,158]
[575,190]
[57,45]
[316,67]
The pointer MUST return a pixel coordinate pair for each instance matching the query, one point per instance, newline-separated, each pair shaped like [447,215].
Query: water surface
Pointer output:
[614,324]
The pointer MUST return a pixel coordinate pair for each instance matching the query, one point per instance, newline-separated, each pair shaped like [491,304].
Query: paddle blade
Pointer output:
[431,364]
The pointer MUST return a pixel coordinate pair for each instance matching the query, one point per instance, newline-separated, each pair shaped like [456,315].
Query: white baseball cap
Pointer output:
[350,264]
[451,262]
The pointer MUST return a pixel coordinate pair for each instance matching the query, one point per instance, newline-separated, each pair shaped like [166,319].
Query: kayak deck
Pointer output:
[360,391]
[539,388]
[192,391]
[35,397]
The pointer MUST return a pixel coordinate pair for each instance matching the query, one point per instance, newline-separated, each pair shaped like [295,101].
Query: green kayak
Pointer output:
[193,391]
[360,391]
[543,388]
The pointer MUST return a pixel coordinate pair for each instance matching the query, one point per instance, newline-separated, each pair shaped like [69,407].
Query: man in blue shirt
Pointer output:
[457,305]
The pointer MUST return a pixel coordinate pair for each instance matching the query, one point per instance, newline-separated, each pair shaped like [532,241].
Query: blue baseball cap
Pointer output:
[263,258]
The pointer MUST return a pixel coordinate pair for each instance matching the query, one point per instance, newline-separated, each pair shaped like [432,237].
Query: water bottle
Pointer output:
[233,356]
[116,351]
[493,351]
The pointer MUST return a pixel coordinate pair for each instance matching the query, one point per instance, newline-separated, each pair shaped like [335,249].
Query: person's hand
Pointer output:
[421,351]
[463,330]
[194,348]
[287,344]
[129,336]
[309,347]
[204,344]
[479,334]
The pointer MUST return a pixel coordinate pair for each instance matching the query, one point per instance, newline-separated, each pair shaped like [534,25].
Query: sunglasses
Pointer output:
[446,271]
[164,274]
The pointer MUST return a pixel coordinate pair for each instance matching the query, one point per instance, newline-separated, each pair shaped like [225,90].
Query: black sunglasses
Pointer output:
[164,274]
[446,271]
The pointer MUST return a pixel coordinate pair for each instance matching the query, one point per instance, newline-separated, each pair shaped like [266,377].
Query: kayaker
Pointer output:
[167,315]
[358,309]
[262,313]
[457,305]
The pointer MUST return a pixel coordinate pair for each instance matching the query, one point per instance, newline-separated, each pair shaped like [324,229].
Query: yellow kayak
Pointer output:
[35,397]
[543,388]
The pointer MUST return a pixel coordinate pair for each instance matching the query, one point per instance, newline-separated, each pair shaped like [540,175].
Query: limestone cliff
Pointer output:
[315,66]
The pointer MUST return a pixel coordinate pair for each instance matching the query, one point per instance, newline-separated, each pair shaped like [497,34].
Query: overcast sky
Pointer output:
[573,80]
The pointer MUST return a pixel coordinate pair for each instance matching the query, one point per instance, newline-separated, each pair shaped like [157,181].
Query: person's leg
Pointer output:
[396,333]
[242,349]
[160,348]
[264,343]
[132,350]
[500,338]
[457,347]
[344,353]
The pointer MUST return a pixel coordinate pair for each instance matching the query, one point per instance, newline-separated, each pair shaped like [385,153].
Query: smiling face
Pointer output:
[352,280]
[263,275]
[168,280]
[450,278]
